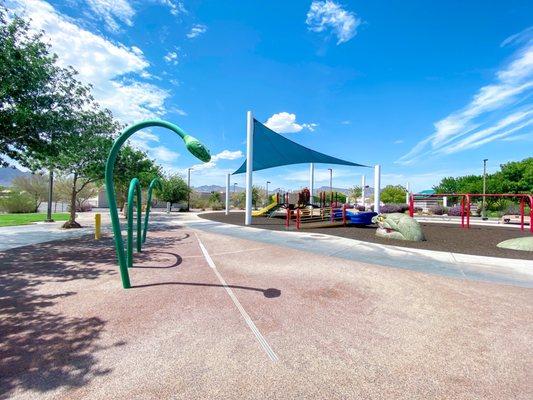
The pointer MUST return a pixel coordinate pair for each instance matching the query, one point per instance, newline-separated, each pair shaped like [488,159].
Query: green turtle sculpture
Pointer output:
[398,226]
[521,243]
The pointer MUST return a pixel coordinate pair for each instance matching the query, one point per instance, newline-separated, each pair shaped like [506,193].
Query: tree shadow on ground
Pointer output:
[42,349]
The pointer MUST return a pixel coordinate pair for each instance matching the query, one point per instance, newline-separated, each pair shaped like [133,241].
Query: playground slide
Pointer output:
[263,211]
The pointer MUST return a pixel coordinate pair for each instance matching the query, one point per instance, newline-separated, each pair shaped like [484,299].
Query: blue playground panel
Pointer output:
[360,218]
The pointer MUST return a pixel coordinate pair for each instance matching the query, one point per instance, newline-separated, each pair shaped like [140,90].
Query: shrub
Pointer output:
[394,208]
[438,210]
[216,205]
[83,207]
[18,202]
[454,211]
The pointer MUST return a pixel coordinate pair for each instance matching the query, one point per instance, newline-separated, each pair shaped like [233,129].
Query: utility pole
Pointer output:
[50,197]
[267,192]
[189,189]
[483,207]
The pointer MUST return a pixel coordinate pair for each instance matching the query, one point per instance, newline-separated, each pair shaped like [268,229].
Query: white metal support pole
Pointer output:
[227,193]
[377,187]
[311,181]
[407,193]
[363,184]
[445,201]
[249,166]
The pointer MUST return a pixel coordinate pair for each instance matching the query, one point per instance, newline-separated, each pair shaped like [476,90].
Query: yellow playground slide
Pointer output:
[263,211]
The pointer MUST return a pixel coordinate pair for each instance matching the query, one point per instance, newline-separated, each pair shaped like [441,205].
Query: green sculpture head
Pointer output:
[398,226]
[197,148]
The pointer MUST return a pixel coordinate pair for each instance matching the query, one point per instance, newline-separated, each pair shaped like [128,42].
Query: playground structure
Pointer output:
[125,260]
[466,201]
[329,211]
[267,149]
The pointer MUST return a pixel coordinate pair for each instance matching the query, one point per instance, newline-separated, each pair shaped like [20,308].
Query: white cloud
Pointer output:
[324,15]
[346,122]
[172,57]
[162,153]
[223,155]
[197,30]
[176,7]
[179,111]
[98,61]
[399,141]
[285,122]
[112,10]
[505,101]
[228,155]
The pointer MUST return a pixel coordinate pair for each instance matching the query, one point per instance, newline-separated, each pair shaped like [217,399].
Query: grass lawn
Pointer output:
[25,219]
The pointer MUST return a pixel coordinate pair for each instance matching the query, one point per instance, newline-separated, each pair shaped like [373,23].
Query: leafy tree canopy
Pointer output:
[393,194]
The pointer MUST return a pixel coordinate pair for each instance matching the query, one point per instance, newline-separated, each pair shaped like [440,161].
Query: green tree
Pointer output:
[82,153]
[393,194]
[132,163]
[355,193]
[38,99]
[256,195]
[35,185]
[173,189]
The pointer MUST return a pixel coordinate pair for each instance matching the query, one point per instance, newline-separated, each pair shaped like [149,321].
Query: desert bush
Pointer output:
[438,210]
[18,202]
[216,205]
[394,208]
[454,211]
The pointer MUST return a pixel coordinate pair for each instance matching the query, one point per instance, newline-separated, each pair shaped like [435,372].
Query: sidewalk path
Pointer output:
[461,266]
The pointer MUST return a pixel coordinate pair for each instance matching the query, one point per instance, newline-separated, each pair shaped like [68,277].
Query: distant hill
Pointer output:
[216,188]
[8,174]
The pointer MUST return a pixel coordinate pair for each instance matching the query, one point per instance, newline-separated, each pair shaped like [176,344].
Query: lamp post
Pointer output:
[50,196]
[234,185]
[483,207]
[189,189]
[267,191]
[330,180]
[193,145]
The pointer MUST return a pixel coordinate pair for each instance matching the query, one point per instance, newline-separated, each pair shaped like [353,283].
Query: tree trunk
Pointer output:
[71,223]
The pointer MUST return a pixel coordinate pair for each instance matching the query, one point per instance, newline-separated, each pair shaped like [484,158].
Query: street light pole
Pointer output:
[50,197]
[330,180]
[234,185]
[483,207]
[188,189]
[267,192]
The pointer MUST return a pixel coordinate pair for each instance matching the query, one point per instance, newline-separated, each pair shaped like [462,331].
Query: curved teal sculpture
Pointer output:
[135,187]
[193,145]
[155,182]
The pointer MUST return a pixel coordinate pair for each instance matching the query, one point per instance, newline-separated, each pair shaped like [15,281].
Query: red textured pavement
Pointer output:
[339,329]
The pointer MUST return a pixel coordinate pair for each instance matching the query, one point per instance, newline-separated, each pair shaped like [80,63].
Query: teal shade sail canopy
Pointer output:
[270,149]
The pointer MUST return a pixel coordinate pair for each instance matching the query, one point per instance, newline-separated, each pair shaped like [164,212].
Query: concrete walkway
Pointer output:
[461,266]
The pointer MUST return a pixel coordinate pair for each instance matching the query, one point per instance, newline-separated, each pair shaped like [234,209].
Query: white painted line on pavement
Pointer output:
[260,338]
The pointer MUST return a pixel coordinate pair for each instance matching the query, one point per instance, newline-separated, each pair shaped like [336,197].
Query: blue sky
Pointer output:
[426,89]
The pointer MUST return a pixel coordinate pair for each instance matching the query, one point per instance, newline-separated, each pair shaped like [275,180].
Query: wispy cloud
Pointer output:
[176,7]
[328,15]
[172,57]
[112,12]
[285,122]
[196,30]
[496,111]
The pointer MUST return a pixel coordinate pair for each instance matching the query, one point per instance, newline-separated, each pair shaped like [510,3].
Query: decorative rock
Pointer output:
[521,243]
[398,226]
